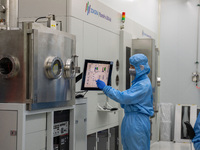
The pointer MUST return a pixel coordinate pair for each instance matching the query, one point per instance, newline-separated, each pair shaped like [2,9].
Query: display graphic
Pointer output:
[94,70]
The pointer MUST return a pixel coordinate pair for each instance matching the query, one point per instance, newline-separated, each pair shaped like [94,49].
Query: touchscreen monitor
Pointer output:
[94,70]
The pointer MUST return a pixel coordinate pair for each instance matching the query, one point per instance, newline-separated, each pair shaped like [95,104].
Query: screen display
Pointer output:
[94,70]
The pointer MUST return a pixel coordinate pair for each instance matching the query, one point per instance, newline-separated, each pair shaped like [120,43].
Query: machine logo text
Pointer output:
[89,9]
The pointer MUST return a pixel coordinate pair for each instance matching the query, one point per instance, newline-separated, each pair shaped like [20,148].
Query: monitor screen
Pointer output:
[94,70]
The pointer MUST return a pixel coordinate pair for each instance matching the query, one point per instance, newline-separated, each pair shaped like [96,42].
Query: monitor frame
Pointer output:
[85,69]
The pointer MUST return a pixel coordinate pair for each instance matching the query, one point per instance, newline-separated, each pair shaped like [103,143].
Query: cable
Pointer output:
[80,95]
[40,18]
[85,93]
[3,8]
[79,77]
[80,91]
[197,85]
[197,52]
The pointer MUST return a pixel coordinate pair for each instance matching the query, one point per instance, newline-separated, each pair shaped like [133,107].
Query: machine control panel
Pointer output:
[60,128]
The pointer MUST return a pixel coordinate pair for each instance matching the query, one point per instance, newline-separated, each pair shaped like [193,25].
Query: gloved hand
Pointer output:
[100,84]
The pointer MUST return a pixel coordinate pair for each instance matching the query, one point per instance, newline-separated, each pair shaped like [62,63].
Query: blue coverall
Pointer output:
[196,139]
[137,103]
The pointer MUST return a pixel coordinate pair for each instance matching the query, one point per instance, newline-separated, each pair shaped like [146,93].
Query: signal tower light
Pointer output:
[123,16]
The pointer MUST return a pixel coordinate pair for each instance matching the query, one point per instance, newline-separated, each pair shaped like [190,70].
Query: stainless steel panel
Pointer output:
[45,43]
[11,13]
[12,44]
[147,47]
[144,46]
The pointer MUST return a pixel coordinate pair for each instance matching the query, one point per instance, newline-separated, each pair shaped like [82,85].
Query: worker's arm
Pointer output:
[131,96]
[196,139]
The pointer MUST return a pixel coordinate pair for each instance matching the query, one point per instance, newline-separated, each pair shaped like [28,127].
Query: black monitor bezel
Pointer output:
[98,62]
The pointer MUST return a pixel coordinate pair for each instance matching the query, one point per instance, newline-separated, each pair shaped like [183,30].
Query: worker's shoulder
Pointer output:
[144,83]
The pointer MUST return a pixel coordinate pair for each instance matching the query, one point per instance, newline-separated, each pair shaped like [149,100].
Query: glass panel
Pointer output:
[91,141]
[114,138]
[185,117]
[103,140]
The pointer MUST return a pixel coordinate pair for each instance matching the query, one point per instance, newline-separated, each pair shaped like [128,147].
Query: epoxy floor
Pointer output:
[170,146]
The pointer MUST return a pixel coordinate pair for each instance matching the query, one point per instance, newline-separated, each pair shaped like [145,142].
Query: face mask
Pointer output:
[141,67]
[132,72]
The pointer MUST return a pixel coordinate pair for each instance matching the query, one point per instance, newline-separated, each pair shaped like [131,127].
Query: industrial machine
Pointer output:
[37,72]
[147,47]
[37,66]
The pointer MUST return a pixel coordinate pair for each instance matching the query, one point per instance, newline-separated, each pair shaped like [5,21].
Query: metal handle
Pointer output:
[100,93]
[69,69]
[97,139]
[77,69]
[152,116]
[158,81]
[3,8]
[155,112]
[109,135]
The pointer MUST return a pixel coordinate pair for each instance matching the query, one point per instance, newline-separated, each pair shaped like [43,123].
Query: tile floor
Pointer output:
[170,146]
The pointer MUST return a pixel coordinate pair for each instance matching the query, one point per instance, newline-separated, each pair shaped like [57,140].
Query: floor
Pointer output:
[170,146]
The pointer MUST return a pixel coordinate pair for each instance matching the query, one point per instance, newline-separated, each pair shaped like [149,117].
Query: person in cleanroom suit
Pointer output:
[196,139]
[137,103]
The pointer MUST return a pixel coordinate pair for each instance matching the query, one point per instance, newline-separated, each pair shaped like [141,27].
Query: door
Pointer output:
[8,130]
